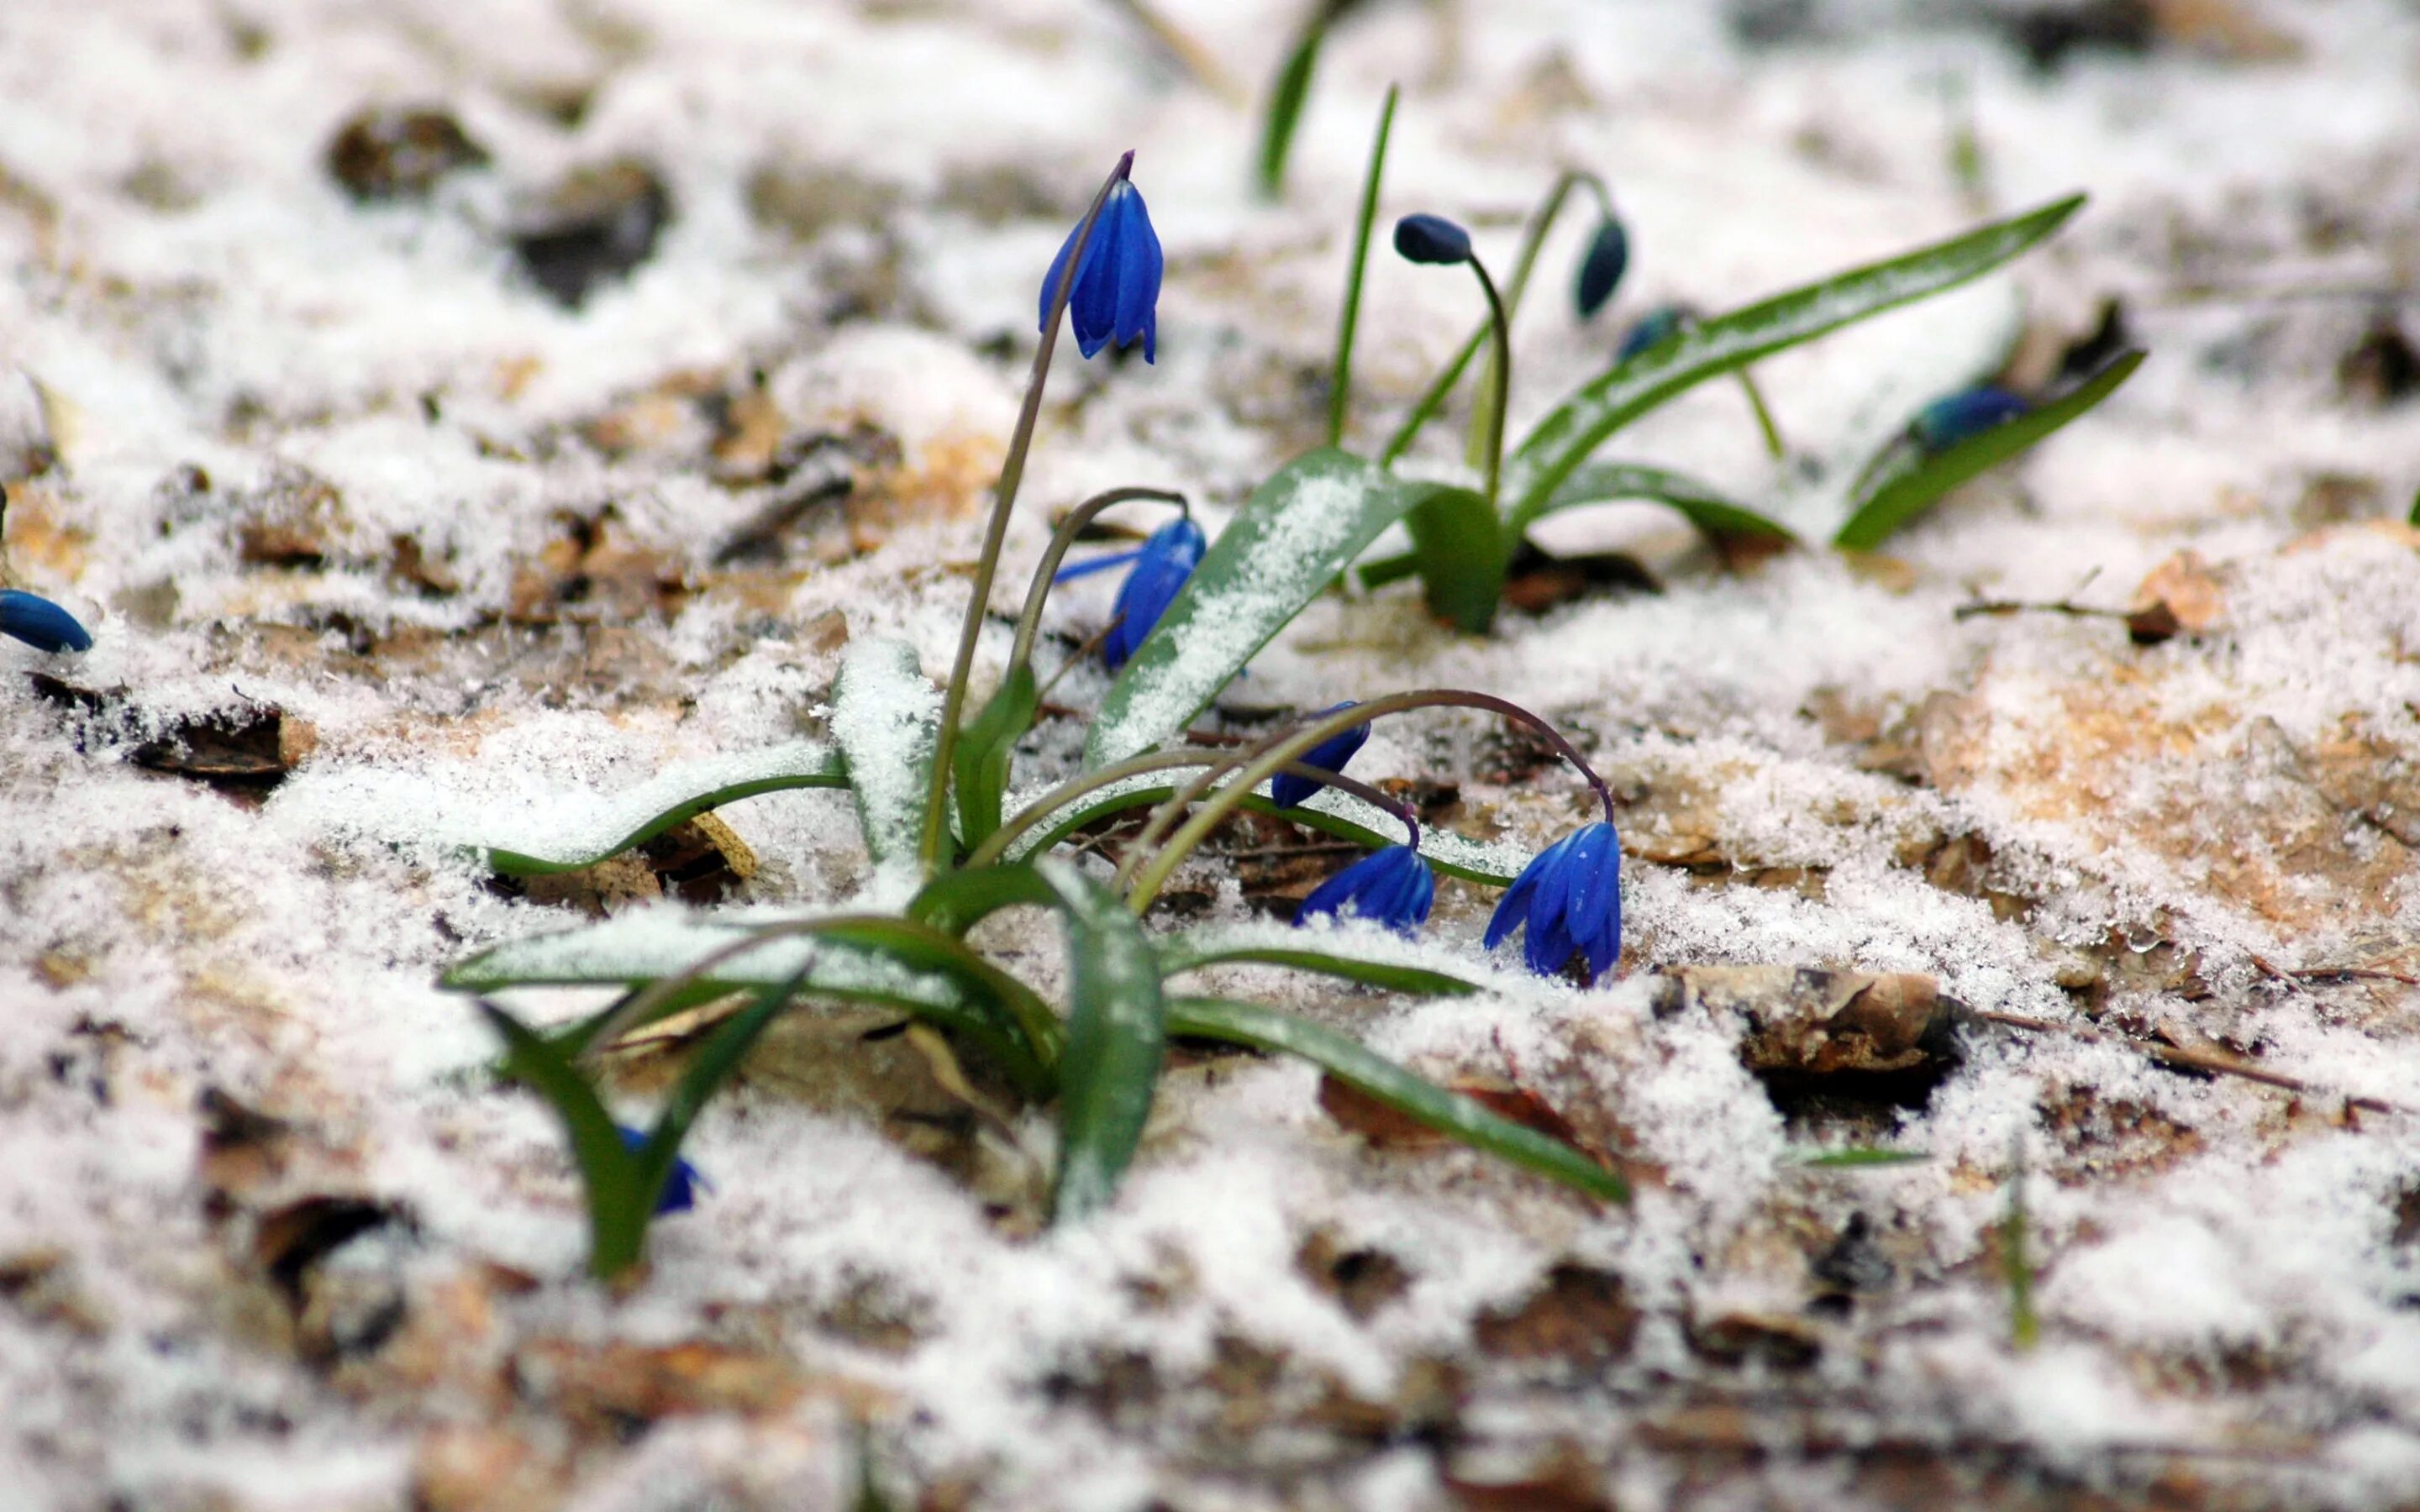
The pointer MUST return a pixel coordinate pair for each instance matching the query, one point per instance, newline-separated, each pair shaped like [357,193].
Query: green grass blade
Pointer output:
[1894,494]
[1359,956]
[1449,1113]
[1576,428]
[1288,93]
[1459,548]
[718,1057]
[1297,531]
[1709,510]
[674,796]
[887,719]
[611,1178]
[1857,1157]
[1339,387]
[1117,1038]
[980,762]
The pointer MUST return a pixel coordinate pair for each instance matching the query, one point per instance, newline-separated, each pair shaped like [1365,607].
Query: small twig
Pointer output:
[2211,1061]
[2333,974]
[1996,607]
[1181,48]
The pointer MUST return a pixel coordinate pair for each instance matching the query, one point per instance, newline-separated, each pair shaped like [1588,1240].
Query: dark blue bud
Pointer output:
[1570,898]
[1287,790]
[1650,330]
[1166,559]
[1116,295]
[1601,271]
[1432,239]
[41,623]
[1392,887]
[680,1185]
[1954,418]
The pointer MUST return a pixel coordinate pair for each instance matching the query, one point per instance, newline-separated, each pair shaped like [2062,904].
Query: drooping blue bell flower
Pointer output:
[1650,330]
[1161,564]
[1116,294]
[1287,791]
[1570,898]
[41,623]
[1600,269]
[680,1187]
[1432,239]
[1392,887]
[1954,418]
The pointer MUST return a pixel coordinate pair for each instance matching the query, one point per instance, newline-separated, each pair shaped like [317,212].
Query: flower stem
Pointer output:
[1499,388]
[936,839]
[1339,387]
[1763,417]
[1255,765]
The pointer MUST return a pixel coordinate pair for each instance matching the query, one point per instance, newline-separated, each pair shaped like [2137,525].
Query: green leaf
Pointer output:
[980,762]
[1460,551]
[887,719]
[1904,483]
[567,837]
[1329,812]
[1576,428]
[1299,530]
[1369,956]
[1857,1157]
[1449,1113]
[1702,506]
[956,902]
[1116,1040]
[619,1206]
[1339,387]
[714,1061]
[1288,93]
[863,958]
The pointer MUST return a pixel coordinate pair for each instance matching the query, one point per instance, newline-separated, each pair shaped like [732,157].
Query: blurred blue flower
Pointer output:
[41,623]
[1570,896]
[1287,790]
[1116,293]
[1162,564]
[680,1187]
[1392,887]
[1954,418]
[1432,239]
[1650,330]
[1600,269]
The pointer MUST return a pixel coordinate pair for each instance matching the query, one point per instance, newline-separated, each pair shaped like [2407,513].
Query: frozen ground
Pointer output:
[281,447]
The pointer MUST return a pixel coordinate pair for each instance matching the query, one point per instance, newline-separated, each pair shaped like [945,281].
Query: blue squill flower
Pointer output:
[1392,887]
[1432,239]
[680,1187]
[1287,790]
[1650,330]
[1161,564]
[1116,294]
[1600,269]
[41,623]
[1570,896]
[1969,412]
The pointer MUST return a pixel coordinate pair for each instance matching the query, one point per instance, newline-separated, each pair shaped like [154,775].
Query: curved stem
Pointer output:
[935,838]
[1258,762]
[1029,621]
[1499,388]
[1340,386]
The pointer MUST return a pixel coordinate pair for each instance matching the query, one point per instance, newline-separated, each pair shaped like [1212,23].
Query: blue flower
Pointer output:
[41,623]
[1570,896]
[680,1187]
[1393,887]
[1287,790]
[1161,565]
[1116,291]
[1601,271]
[1432,239]
[1650,330]
[1969,412]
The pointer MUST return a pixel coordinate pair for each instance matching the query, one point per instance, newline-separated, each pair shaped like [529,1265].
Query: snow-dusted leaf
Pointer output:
[1365,953]
[1116,1040]
[1704,505]
[1297,531]
[887,719]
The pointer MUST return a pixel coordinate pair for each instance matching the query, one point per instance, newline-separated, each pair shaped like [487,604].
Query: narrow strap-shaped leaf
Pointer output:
[1116,1040]
[887,719]
[1461,550]
[1366,1072]
[619,1205]
[1577,427]
[1909,481]
[1704,505]
[956,902]
[1297,531]
[714,1061]
[1857,1157]
[597,830]
[1288,93]
[1370,957]
[980,762]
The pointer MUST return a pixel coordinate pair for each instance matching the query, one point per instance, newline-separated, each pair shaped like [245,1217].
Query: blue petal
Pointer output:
[1287,790]
[1350,885]
[41,623]
[1085,569]
[1549,946]
[1955,417]
[1139,266]
[680,1184]
[1597,926]
[1601,271]
[1168,559]
[1650,330]
[1512,907]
